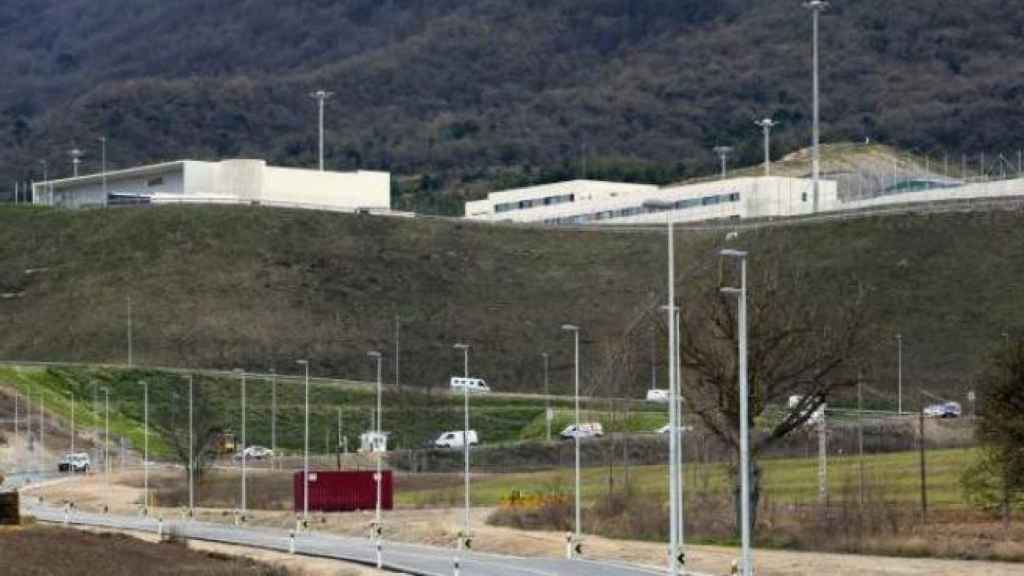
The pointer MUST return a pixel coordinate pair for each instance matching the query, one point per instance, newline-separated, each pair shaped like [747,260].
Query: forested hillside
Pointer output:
[458,96]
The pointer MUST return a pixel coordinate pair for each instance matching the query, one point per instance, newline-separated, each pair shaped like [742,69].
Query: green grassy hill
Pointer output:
[227,287]
[412,416]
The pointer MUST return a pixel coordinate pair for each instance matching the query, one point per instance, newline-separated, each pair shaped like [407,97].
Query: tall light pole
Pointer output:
[76,160]
[899,373]
[576,435]
[398,336]
[103,164]
[741,292]
[674,485]
[766,125]
[816,7]
[16,437]
[320,96]
[72,422]
[305,454]
[130,359]
[145,452]
[42,430]
[465,438]
[273,418]
[547,400]
[191,453]
[241,373]
[106,437]
[723,155]
[379,477]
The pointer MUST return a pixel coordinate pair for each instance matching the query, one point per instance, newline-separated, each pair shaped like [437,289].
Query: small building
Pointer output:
[590,202]
[225,182]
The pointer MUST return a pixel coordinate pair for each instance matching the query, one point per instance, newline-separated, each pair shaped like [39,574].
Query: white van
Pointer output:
[469,384]
[657,395]
[817,417]
[454,439]
[586,430]
[372,442]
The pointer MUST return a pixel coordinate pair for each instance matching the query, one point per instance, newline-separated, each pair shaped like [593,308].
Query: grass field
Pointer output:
[785,481]
[412,417]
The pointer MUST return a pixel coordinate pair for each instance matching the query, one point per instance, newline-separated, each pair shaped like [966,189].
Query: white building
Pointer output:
[224,182]
[592,202]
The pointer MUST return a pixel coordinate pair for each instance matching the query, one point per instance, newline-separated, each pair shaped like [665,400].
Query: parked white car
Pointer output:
[456,439]
[77,462]
[817,417]
[944,410]
[657,395]
[473,385]
[255,453]
[668,427]
[586,430]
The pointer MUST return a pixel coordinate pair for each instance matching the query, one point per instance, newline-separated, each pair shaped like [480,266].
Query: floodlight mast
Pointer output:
[723,155]
[766,126]
[76,160]
[321,96]
[816,7]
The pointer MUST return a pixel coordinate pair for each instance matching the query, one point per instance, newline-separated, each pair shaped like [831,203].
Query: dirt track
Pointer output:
[437,527]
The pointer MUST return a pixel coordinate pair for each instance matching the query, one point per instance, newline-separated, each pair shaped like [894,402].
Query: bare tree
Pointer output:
[207,426]
[799,345]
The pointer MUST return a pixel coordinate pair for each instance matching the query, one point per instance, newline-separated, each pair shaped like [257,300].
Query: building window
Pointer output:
[158,181]
[803,197]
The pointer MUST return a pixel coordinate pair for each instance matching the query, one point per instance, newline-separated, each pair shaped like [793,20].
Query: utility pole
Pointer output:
[145,450]
[16,437]
[273,418]
[860,435]
[130,359]
[320,96]
[398,336]
[899,373]
[577,538]
[823,460]
[924,471]
[816,7]
[191,453]
[547,400]
[766,126]
[106,440]
[244,446]
[745,561]
[42,429]
[103,145]
[465,438]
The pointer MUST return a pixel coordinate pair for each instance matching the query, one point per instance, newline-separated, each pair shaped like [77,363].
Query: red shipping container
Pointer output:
[344,491]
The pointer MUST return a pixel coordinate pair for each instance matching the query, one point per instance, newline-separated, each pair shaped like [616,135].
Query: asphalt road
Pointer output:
[406,558]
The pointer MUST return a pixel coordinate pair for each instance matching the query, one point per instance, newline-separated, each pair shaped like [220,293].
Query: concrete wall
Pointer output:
[362,189]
